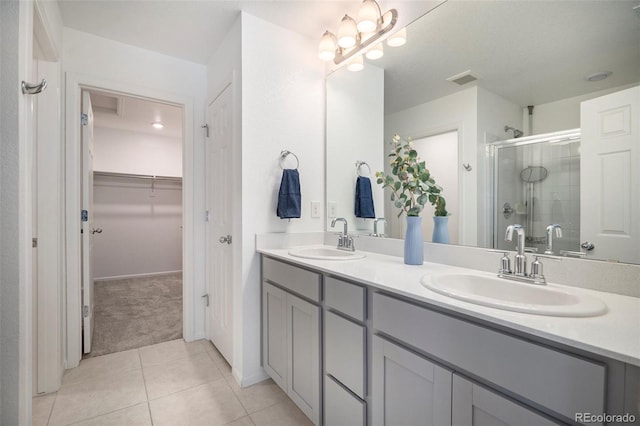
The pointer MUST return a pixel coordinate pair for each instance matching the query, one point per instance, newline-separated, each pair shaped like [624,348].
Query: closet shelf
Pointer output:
[138,176]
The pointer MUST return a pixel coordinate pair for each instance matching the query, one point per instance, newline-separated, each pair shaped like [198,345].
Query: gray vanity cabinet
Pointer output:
[291,333]
[408,389]
[475,405]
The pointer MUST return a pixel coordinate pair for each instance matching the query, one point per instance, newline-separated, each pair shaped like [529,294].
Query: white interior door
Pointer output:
[610,175]
[218,240]
[87,221]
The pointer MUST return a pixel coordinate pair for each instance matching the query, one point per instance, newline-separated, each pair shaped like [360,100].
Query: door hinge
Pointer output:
[84,119]
[206,127]
[34,242]
[85,311]
[206,297]
[207,216]
[84,215]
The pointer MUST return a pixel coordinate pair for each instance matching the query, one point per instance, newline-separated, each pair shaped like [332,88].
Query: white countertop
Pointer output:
[615,334]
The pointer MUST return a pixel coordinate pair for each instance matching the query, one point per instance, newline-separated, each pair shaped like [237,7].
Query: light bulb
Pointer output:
[356,63]
[368,16]
[376,52]
[327,48]
[398,39]
[347,32]
[157,125]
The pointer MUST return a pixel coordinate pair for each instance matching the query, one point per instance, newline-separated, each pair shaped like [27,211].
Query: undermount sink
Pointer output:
[325,253]
[514,296]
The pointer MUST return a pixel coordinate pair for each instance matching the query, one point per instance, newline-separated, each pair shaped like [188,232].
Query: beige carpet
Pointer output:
[135,312]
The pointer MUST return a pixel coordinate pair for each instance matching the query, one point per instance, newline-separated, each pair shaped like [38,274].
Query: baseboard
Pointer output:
[258,377]
[124,277]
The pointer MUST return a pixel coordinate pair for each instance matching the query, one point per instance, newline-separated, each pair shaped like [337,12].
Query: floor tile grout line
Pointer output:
[103,414]
[55,397]
[146,391]
[190,387]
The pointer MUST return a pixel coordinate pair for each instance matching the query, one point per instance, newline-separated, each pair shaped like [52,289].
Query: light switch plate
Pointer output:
[315,209]
[333,210]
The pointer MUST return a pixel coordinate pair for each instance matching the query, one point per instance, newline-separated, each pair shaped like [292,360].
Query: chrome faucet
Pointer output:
[520,260]
[375,227]
[345,242]
[550,229]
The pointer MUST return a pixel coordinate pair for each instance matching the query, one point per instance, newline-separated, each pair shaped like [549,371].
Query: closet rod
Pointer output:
[137,176]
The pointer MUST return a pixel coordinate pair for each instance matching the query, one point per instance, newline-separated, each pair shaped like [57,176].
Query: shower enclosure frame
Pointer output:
[492,152]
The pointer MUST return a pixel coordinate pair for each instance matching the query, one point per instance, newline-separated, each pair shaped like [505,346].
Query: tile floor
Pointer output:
[171,383]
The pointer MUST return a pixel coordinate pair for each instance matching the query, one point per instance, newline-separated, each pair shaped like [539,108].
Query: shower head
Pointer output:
[516,132]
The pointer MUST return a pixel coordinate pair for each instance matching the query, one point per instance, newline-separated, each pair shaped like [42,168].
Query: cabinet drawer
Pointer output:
[297,280]
[345,297]
[559,381]
[345,352]
[340,407]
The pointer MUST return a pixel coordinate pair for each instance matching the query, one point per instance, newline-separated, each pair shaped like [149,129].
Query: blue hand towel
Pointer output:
[289,198]
[364,199]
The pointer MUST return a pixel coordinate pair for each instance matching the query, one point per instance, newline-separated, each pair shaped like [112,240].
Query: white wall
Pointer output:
[141,228]
[282,108]
[355,127]
[494,112]
[457,111]
[9,217]
[564,114]
[124,151]
[142,71]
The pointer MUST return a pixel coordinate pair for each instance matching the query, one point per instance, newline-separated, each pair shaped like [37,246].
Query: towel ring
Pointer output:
[284,154]
[359,164]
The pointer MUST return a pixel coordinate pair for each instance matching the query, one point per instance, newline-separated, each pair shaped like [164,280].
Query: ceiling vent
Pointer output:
[106,103]
[463,78]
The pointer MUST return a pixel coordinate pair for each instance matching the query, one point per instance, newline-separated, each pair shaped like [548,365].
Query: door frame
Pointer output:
[75,82]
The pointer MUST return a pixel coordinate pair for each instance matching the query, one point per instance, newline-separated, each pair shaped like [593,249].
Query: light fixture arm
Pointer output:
[343,55]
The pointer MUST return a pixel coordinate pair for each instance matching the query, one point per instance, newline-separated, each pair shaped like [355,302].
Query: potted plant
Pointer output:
[412,187]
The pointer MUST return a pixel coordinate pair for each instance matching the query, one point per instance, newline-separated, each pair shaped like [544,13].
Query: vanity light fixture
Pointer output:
[362,38]
[356,63]
[157,125]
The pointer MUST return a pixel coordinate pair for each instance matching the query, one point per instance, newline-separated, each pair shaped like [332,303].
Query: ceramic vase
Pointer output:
[440,229]
[413,242]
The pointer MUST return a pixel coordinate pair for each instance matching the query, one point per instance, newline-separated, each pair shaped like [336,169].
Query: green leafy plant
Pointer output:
[410,182]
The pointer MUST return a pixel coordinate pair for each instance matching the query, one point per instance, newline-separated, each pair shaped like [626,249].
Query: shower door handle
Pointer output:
[225,239]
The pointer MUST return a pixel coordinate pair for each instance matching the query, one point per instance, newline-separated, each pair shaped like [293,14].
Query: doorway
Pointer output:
[132,271]
[440,152]
[74,86]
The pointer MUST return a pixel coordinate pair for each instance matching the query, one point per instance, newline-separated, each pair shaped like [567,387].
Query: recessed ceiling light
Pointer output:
[157,125]
[597,76]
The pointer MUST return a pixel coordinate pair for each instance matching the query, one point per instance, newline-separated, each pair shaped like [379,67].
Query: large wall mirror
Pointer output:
[506,141]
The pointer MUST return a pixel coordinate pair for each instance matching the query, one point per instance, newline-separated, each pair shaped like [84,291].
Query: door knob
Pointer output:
[225,239]
[96,231]
[587,246]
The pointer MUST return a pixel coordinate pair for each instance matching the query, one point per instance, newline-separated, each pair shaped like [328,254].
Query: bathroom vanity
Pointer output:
[363,342]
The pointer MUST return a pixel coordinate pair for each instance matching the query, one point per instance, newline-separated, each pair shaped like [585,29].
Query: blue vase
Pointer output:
[440,230]
[413,242]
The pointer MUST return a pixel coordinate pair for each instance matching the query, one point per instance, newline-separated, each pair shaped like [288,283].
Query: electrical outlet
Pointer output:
[333,210]
[315,209]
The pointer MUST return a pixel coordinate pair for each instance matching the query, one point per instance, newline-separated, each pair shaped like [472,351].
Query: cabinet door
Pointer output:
[408,389]
[303,344]
[478,406]
[274,333]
